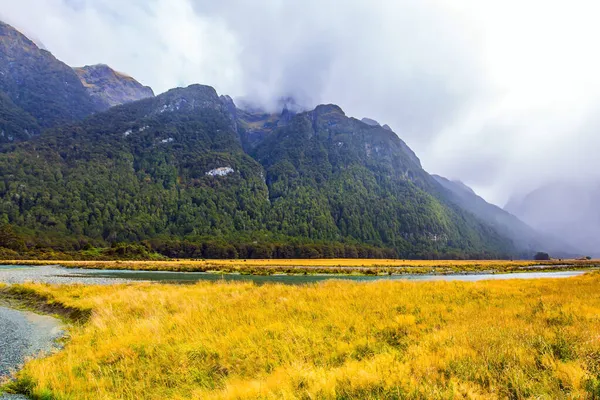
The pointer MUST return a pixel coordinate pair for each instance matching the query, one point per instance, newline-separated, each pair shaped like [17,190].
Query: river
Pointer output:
[60,275]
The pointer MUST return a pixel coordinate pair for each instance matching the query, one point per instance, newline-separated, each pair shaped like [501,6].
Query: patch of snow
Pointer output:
[127,132]
[143,128]
[167,140]
[221,171]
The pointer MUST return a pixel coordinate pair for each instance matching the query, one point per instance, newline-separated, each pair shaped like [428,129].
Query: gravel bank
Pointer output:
[53,274]
[23,335]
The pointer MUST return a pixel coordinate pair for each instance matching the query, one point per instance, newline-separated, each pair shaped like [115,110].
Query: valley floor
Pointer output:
[338,340]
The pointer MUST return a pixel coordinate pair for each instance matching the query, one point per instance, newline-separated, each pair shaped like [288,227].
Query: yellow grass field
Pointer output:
[324,265]
[519,339]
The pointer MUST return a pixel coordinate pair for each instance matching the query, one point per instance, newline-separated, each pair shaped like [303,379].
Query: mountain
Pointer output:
[176,170]
[351,179]
[564,209]
[38,83]
[524,237]
[109,87]
[37,91]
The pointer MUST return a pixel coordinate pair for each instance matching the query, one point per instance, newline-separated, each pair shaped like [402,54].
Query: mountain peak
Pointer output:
[328,109]
[189,98]
[194,91]
[110,87]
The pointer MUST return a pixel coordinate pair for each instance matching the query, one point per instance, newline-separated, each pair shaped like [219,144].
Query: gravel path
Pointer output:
[53,274]
[23,335]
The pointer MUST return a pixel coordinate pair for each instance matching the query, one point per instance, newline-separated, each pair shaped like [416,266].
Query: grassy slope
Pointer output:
[517,339]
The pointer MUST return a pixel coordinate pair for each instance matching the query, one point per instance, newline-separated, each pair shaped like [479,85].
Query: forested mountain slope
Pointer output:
[173,169]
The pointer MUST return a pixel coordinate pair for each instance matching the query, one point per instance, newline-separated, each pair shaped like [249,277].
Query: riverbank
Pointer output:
[325,266]
[23,335]
[492,339]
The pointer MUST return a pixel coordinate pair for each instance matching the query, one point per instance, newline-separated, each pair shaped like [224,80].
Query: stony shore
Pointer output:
[24,334]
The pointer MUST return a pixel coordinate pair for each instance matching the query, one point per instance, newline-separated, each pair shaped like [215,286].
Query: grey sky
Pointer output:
[499,94]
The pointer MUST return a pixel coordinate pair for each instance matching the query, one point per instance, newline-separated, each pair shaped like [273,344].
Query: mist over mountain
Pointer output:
[522,234]
[564,209]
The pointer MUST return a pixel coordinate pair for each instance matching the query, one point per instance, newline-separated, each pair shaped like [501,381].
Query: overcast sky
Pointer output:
[502,95]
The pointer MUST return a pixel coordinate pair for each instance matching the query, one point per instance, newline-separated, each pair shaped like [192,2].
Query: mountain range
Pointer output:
[89,157]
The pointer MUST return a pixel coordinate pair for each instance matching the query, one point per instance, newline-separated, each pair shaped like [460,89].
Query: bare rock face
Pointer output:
[109,87]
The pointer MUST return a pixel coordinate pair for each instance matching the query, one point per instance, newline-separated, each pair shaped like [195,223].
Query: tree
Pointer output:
[9,239]
[541,256]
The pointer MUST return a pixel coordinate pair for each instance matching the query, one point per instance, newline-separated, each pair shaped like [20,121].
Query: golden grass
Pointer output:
[418,340]
[324,265]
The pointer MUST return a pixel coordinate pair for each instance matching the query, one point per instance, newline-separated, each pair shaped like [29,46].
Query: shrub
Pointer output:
[541,256]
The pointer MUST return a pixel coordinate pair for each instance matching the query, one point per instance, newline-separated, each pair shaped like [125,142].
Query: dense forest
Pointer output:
[174,175]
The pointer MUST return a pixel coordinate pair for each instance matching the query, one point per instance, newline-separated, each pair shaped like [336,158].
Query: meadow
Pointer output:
[334,340]
[324,265]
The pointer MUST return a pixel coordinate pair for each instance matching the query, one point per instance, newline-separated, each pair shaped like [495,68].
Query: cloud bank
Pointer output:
[501,95]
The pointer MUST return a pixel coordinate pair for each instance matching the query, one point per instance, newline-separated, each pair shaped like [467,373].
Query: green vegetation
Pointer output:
[15,123]
[137,174]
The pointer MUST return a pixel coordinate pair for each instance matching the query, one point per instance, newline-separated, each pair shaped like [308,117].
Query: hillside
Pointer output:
[353,179]
[173,168]
[16,124]
[524,237]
